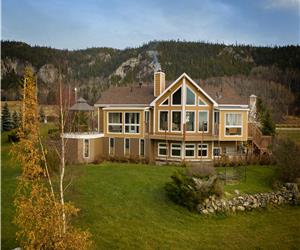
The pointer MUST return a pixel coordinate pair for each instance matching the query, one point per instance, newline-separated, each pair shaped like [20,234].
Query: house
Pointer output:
[180,122]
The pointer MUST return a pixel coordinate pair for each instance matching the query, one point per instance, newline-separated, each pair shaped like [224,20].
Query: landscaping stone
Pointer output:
[288,194]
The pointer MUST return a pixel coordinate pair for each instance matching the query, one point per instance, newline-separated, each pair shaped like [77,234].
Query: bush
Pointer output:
[13,137]
[190,190]
[286,154]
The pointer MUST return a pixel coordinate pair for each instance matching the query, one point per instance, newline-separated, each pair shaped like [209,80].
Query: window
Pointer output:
[176,97]
[190,97]
[115,122]
[203,121]
[132,123]
[166,102]
[201,102]
[190,150]
[142,147]
[175,150]
[147,121]
[190,121]
[163,120]
[111,146]
[176,121]
[86,148]
[203,150]
[233,124]
[217,151]
[126,146]
[162,149]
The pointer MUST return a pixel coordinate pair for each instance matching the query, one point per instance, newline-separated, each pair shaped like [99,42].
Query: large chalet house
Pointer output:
[174,123]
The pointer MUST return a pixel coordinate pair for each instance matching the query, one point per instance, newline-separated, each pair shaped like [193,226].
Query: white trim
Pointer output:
[194,149]
[199,144]
[83,135]
[190,131]
[192,81]
[181,121]
[207,121]
[98,122]
[195,99]
[233,109]
[124,108]
[161,104]
[132,124]
[163,147]
[125,146]
[171,94]
[144,123]
[176,156]
[200,99]
[234,126]
[140,147]
[121,105]
[159,130]
[114,124]
[89,148]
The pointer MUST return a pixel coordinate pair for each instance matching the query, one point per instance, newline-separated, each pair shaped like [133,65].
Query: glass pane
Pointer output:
[115,117]
[127,143]
[190,121]
[203,121]
[176,121]
[190,97]
[162,151]
[176,98]
[201,102]
[142,147]
[202,152]
[163,120]
[233,131]
[176,152]
[115,128]
[189,152]
[166,102]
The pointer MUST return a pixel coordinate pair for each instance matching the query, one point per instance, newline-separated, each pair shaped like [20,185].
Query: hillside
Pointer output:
[95,69]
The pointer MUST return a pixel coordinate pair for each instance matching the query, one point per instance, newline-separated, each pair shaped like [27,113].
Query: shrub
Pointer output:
[190,190]
[13,137]
[286,154]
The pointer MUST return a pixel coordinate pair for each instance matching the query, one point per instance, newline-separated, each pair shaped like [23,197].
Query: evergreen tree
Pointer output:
[265,118]
[16,119]
[6,119]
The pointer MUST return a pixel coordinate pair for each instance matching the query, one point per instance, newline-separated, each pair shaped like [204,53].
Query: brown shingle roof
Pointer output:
[144,94]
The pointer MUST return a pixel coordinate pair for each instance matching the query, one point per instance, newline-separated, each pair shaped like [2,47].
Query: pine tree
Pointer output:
[16,119]
[265,118]
[6,119]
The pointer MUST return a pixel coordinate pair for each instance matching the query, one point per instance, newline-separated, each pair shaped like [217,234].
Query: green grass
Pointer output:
[125,207]
[291,134]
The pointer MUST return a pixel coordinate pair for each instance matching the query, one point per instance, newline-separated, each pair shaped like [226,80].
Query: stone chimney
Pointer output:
[252,108]
[159,82]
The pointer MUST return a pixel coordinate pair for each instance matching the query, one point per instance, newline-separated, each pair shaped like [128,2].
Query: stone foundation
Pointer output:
[288,194]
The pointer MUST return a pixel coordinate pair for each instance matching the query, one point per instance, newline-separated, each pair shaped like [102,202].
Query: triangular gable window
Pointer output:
[166,102]
[176,97]
[190,97]
[201,102]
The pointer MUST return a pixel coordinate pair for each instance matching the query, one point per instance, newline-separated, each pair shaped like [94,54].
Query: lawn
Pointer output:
[125,207]
[289,133]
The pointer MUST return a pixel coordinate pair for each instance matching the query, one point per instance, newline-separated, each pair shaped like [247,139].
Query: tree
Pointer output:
[42,115]
[16,119]
[7,124]
[38,210]
[265,118]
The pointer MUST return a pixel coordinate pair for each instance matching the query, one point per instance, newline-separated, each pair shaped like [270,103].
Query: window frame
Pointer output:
[201,99]
[159,111]
[109,146]
[176,105]
[176,144]
[195,97]
[194,150]
[176,131]
[132,124]
[198,129]
[114,124]
[190,131]
[165,105]
[84,147]
[147,124]
[199,147]
[216,156]
[140,141]
[159,145]
[233,126]
[125,146]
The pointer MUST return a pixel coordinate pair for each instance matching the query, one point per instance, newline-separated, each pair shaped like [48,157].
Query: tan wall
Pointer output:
[244,135]
[100,120]
[159,83]
[72,151]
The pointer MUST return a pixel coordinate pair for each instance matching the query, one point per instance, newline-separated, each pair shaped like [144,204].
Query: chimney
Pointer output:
[252,108]
[159,82]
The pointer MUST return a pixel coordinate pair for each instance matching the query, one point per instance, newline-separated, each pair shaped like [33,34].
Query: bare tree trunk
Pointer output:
[62,158]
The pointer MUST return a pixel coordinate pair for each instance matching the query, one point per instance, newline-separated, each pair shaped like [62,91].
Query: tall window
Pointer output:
[163,120]
[115,122]
[86,148]
[233,124]
[132,123]
[111,146]
[176,97]
[126,146]
[142,147]
[190,150]
[190,121]
[203,150]
[162,149]
[190,97]
[203,121]
[217,151]
[147,121]
[176,121]
[175,150]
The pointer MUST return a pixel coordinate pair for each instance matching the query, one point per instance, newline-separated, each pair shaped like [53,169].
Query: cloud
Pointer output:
[279,4]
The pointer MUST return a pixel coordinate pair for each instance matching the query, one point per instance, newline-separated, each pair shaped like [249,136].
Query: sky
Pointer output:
[78,24]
